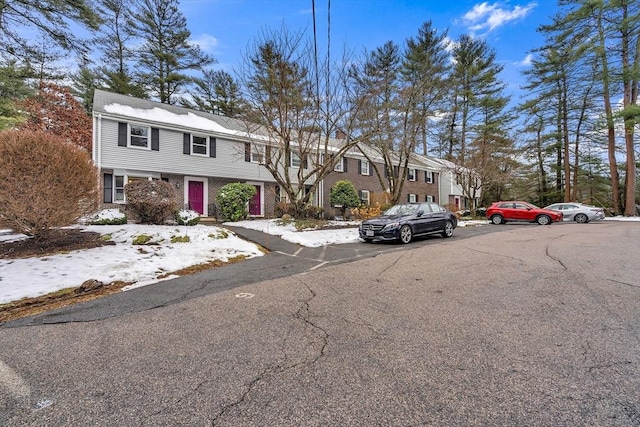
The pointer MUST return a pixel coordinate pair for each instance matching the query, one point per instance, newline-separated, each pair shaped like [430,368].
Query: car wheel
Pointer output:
[581,218]
[448,229]
[406,234]
[497,219]
[543,220]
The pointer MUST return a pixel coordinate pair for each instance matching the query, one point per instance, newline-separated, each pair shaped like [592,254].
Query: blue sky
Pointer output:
[223,28]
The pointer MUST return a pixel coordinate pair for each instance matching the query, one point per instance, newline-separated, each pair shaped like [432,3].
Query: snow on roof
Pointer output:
[161,115]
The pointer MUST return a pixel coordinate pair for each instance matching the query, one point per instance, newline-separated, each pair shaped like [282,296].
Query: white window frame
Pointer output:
[429,199]
[294,160]
[366,197]
[364,167]
[339,167]
[126,178]
[130,136]
[412,174]
[194,145]
[257,153]
[118,191]
[429,177]
[413,198]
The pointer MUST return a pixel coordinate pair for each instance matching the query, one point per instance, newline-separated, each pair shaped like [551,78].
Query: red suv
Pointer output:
[501,212]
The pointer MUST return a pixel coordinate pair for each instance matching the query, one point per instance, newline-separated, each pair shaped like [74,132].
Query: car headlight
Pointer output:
[391,226]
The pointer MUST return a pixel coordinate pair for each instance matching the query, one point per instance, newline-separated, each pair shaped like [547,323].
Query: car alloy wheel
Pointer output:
[496,219]
[581,218]
[406,234]
[543,220]
[448,229]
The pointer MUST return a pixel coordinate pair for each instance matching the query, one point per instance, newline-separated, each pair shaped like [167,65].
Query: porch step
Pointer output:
[208,220]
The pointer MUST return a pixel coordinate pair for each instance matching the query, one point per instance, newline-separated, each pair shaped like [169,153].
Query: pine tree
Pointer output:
[13,88]
[166,54]
[216,92]
[49,19]
[115,39]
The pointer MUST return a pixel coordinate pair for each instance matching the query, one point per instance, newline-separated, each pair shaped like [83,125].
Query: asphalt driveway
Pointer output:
[523,325]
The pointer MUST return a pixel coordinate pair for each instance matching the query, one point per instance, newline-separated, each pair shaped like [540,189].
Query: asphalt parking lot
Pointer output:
[514,325]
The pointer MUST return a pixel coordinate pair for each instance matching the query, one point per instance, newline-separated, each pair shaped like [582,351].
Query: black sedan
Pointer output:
[406,221]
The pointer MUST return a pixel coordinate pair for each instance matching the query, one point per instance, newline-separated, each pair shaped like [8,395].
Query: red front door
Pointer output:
[196,196]
[255,208]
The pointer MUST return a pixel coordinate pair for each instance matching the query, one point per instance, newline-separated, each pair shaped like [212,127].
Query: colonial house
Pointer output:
[198,153]
[450,180]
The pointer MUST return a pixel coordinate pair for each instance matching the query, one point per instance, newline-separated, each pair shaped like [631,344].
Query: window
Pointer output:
[428,198]
[257,153]
[412,174]
[364,167]
[412,198]
[295,160]
[118,189]
[138,136]
[199,145]
[428,177]
[364,197]
[339,167]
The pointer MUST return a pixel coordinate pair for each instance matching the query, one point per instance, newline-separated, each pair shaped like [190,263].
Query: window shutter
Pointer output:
[247,151]
[370,169]
[344,165]
[426,177]
[186,143]
[108,188]
[396,171]
[305,162]
[360,166]
[408,197]
[267,155]
[212,147]
[122,134]
[155,139]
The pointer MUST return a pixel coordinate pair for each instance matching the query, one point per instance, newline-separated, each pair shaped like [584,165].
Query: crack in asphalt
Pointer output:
[624,283]
[608,365]
[301,314]
[493,254]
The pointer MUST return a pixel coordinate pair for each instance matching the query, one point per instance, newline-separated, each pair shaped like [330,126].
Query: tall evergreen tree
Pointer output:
[13,88]
[116,39]
[425,68]
[50,18]
[166,54]
[216,92]
[478,123]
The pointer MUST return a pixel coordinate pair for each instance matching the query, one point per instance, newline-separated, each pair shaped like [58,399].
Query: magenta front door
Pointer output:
[196,196]
[255,208]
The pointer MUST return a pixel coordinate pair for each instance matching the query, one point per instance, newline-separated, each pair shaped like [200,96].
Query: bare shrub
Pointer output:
[46,182]
[152,202]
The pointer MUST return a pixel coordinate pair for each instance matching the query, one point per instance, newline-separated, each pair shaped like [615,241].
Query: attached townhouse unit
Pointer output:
[198,153]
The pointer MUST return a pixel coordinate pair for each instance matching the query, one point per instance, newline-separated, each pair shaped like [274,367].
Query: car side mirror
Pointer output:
[419,213]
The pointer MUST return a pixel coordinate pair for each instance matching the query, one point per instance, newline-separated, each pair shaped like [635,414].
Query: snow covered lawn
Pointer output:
[124,261]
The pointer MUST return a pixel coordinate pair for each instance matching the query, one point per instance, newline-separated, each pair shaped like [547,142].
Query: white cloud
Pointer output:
[207,42]
[526,61]
[489,16]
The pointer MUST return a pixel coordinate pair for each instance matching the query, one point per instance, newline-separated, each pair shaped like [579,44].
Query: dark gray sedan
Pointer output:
[578,212]
[405,221]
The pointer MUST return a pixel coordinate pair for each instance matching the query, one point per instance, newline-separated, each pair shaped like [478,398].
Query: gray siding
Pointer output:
[228,163]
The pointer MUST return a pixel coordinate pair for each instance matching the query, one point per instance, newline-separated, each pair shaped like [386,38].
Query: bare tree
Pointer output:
[293,110]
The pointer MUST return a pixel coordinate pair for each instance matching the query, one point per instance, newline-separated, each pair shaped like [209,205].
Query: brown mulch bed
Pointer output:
[59,241]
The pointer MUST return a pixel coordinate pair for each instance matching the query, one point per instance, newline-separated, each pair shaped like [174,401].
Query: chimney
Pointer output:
[340,134]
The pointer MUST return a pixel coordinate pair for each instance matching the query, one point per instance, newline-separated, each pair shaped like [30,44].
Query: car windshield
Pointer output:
[401,210]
